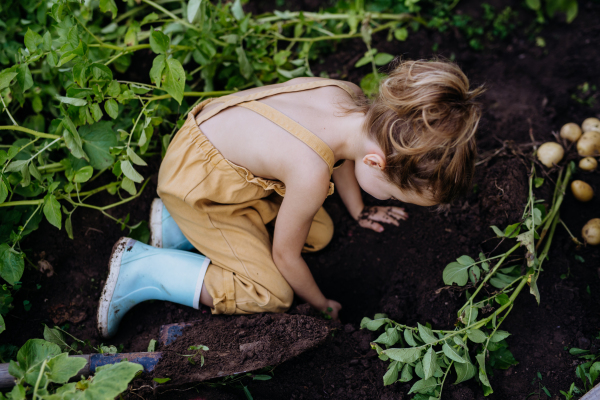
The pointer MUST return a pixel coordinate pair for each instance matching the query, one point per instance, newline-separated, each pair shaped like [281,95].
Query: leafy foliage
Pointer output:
[42,370]
[477,345]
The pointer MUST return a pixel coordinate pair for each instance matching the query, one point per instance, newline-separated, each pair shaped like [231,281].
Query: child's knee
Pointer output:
[321,232]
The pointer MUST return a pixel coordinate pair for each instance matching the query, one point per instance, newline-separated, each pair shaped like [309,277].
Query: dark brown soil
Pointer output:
[400,270]
[238,345]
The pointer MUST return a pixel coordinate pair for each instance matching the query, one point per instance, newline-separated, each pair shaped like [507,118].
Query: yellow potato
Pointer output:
[570,131]
[591,124]
[591,232]
[582,191]
[550,153]
[588,164]
[589,144]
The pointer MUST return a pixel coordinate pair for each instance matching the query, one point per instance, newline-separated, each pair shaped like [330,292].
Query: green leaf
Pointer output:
[3,190]
[465,260]
[456,272]
[407,355]
[401,34]
[161,380]
[537,182]
[110,380]
[12,264]
[159,42]
[533,4]
[477,336]
[502,299]
[112,108]
[452,354]
[406,375]
[74,144]
[72,100]
[245,67]
[96,111]
[16,166]
[98,138]
[594,372]
[137,160]
[55,336]
[424,385]
[237,10]
[482,374]
[175,81]
[430,363]
[193,10]
[499,335]
[32,40]
[408,336]
[84,174]
[52,210]
[31,356]
[2,324]
[5,78]
[108,6]
[375,324]
[512,231]
[158,66]
[24,78]
[370,83]
[464,371]
[114,89]
[130,172]
[574,351]
[383,58]
[572,10]
[62,367]
[497,231]
[101,72]
[391,375]
[427,334]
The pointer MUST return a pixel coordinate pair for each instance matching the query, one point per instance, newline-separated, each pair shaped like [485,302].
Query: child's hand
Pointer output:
[332,309]
[371,216]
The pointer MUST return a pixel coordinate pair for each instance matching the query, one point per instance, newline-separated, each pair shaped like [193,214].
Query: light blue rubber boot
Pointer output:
[164,231]
[138,272]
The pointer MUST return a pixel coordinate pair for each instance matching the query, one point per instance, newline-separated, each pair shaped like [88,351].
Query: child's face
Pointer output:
[371,179]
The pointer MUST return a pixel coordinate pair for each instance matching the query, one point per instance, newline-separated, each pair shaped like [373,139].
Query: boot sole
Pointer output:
[156,223]
[114,267]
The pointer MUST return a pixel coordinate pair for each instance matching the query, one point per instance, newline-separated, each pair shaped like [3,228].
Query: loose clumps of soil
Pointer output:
[239,344]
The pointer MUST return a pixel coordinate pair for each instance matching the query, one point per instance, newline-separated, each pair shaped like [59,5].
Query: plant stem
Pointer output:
[39,378]
[170,14]
[62,197]
[29,131]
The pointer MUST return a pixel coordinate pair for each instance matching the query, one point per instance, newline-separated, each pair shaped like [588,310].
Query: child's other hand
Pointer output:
[371,216]
[332,309]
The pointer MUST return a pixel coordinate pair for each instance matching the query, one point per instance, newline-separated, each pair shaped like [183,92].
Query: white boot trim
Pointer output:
[199,282]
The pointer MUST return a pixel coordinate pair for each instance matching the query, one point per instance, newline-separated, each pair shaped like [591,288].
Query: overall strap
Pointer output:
[277,117]
[297,130]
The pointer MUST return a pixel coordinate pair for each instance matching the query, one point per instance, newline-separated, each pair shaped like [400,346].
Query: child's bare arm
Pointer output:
[367,217]
[300,204]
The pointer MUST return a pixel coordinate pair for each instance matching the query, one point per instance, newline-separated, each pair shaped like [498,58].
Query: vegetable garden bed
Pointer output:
[530,89]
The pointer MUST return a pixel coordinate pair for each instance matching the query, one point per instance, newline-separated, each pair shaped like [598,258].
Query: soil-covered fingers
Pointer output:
[370,224]
[398,212]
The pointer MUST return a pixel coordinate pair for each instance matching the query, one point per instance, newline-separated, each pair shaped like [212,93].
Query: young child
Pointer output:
[266,155]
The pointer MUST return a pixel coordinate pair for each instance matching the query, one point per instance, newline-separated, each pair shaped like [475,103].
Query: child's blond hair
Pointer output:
[425,118]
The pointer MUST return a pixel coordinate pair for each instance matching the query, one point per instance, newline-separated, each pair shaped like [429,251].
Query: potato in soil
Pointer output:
[570,131]
[591,232]
[582,191]
[588,164]
[591,124]
[550,153]
[589,144]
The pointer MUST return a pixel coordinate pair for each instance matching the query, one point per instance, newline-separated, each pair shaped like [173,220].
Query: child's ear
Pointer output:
[374,160]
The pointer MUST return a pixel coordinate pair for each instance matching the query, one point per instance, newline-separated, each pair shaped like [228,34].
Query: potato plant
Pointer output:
[477,344]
